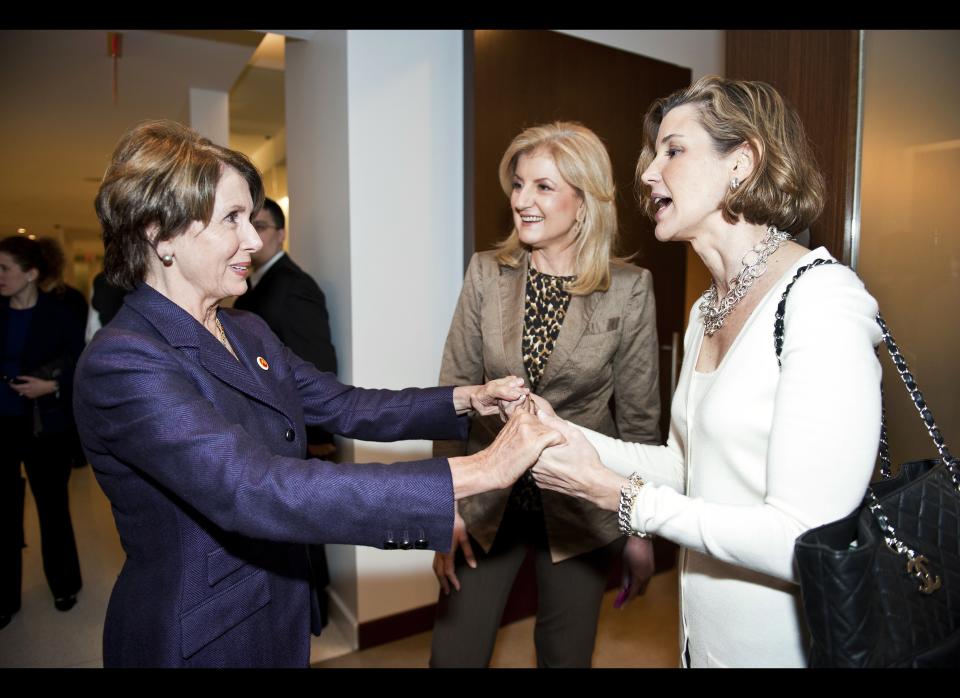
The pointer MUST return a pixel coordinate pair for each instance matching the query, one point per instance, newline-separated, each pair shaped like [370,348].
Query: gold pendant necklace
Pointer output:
[221,335]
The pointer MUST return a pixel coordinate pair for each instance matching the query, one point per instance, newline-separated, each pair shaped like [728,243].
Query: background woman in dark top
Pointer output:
[41,340]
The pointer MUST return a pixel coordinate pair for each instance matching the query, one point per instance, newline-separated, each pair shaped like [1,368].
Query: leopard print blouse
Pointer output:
[545,308]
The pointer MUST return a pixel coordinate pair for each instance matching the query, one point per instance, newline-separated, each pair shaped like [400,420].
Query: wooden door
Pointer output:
[816,72]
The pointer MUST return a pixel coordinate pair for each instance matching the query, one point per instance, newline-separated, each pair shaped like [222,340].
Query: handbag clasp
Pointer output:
[918,568]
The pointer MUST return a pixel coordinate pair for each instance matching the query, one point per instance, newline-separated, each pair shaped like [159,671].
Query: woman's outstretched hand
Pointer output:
[517,447]
[574,468]
[533,403]
[490,398]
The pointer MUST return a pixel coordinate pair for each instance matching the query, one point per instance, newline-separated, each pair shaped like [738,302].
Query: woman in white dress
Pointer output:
[758,452]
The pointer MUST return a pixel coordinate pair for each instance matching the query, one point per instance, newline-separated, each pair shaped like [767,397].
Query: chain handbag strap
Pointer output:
[917,397]
[916,562]
[885,471]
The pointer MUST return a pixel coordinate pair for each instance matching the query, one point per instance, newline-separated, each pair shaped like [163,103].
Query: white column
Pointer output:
[210,114]
[317,181]
[375,174]
[406,209]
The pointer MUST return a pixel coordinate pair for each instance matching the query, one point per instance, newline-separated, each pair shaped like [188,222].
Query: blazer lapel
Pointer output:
[246,374]
[512,286]
[578,317]
[181,330]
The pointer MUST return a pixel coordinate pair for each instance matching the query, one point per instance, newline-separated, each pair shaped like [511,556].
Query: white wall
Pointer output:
[406,207]
[701,50]
[318,170]
[318,167]
[210,114]
[375,167]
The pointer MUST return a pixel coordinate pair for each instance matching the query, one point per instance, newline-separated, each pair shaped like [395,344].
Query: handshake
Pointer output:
[562,460]
[532,435]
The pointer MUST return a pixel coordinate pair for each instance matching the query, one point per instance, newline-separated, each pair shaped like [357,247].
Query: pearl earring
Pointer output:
[167,260]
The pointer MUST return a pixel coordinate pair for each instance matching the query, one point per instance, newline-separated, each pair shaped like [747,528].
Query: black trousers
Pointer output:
[47,460]
[569,594]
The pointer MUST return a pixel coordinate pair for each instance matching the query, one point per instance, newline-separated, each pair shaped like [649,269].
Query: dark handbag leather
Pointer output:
[881,587]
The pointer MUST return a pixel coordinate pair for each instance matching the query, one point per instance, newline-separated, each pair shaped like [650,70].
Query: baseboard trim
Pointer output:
[395,627]
[340,615]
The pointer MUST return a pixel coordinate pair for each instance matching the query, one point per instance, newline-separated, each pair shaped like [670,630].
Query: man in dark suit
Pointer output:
[293,306]
[291,303]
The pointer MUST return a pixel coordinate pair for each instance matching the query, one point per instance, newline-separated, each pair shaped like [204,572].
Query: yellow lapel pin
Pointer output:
[262,363]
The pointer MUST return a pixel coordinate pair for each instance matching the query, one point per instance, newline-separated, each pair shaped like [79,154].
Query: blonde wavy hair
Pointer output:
[584,164]
[785,188]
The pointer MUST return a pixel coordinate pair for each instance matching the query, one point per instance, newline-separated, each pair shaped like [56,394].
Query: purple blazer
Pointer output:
[203,460]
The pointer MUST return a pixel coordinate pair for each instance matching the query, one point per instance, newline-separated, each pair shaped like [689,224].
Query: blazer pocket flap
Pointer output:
[220,563]
[603,326]
[211,619]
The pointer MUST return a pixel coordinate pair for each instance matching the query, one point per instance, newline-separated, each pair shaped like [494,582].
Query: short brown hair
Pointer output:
[584,164]
[165,174]
[785,188]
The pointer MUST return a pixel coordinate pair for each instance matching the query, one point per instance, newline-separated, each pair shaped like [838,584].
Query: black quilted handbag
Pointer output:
[881,587]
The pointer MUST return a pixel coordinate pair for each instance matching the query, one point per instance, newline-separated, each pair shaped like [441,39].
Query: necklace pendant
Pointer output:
[221,335]
[715,310]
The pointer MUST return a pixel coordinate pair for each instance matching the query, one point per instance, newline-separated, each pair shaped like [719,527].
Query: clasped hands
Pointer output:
[570,465]
[562,458]
[519,443]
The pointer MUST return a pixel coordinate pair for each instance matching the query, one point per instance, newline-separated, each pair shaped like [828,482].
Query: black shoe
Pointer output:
[65,603]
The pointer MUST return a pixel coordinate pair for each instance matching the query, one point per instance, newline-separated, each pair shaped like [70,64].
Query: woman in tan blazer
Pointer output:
[554,305]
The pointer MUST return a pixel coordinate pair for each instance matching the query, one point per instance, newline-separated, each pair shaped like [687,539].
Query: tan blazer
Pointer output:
[607,347]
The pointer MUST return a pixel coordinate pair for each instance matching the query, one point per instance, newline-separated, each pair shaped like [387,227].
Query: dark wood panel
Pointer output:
[816,71]
[395,627]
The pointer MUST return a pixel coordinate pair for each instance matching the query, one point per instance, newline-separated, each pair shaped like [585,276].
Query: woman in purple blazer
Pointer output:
[194,420]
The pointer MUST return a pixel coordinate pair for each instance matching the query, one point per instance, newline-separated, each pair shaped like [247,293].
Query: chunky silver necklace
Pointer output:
[754,265]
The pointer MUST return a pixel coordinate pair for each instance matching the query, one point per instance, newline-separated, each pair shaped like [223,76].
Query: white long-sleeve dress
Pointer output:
[758,454]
